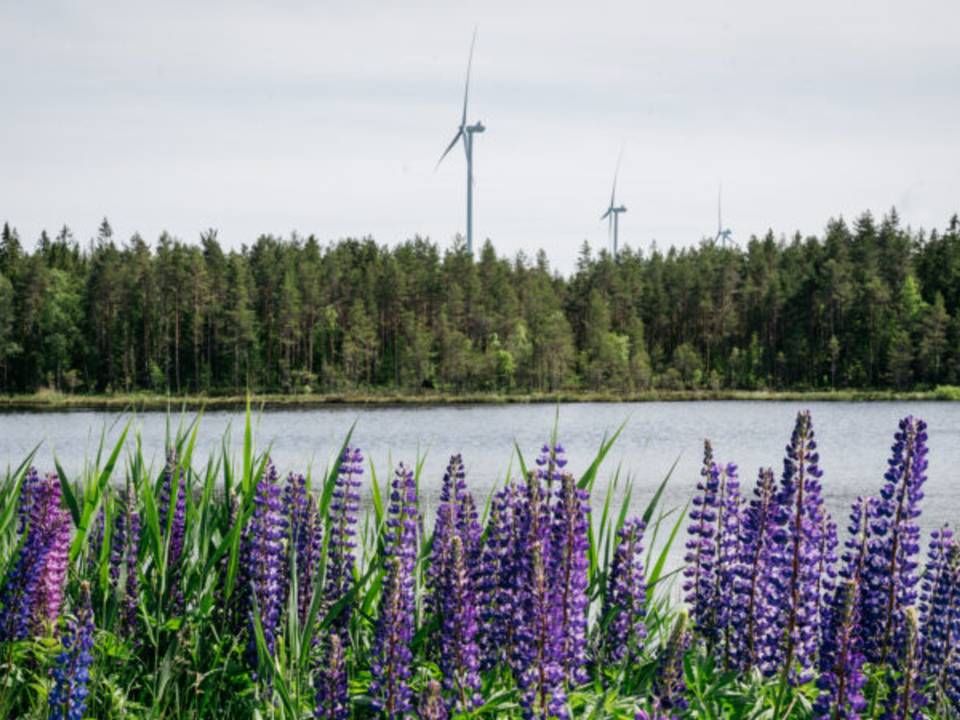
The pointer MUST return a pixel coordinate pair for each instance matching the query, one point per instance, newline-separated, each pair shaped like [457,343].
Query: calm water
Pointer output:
[854,441]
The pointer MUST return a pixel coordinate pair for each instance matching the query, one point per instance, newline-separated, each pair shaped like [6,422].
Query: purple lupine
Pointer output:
[28,494]
[938,595]
[569,572]
[456,515]
[790,630]
[827,570]
[71,675]
[391,657]
[907,700]
[305,540]
[760,517]
[431,703]
[501,580]
[33,590]
[459,652]
[333,698]
[539,644]
[729,519]
[95,543]
[125,546]
[841,678]
[669,685]
[626,597]
[344,506]
[699,585]
[263,557]
[550,465]
[172,510]
[890,576]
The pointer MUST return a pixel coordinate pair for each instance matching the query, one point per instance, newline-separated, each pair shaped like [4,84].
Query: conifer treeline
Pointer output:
[868,305]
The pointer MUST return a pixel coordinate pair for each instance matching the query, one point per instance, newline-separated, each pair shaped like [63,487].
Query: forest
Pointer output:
[867,304]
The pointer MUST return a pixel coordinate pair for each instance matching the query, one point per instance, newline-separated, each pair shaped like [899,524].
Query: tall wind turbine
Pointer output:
[723,234]
[466,132]
[613,212]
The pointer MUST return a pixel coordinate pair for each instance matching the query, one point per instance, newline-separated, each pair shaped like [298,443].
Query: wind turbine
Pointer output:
[613,212]
[723,234]
[466,132]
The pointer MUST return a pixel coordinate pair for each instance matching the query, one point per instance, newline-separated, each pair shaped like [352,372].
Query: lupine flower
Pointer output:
[455,599]
[729,519]
[938,597]
[791,626]
[173,510]
[701,557]
[569,574]
[305,541]
[391,655]
[907,700]
[263,558]
[550,465]
[33,590]
[890,576]
[95,544]
[459,653]
[333,699]
[669,684]
[501,579]
[125,546]
[626,597]
[827,570]
[841,678]
[760,518]
[28,494]
[68,698]
[456,515]
[539,644]
[431,704]
[344,505]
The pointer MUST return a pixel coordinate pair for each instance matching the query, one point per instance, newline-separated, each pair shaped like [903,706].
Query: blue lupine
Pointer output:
[391,658]
[749,609]
[344,506]
[729,519]
[501,579]
[71,675]
[938,597]
[700,572]
[550,465]
[33,589]
[263,557]
[452,579]
[841,678]
[172,510]
[431,703]
[626,597]
[538,641]
[569,572]
[791,624]
[669,685]
[333,698]
[890,574]
[125,546]
[305,542]
[907,700]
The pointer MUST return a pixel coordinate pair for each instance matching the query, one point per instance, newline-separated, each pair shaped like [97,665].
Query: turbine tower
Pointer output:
[723,234]
[613,212]
[466,132]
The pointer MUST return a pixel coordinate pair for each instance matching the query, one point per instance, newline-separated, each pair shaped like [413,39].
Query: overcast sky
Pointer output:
[328,118]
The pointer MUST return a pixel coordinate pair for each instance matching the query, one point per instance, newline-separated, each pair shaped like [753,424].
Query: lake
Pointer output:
[854,441]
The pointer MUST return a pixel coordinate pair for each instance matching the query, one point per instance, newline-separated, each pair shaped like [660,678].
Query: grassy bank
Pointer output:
[47,400]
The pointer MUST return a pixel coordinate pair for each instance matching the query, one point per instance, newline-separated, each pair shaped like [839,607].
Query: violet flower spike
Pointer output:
[333,699]
[569,572]
[626,596]
[344,506]
[71,675]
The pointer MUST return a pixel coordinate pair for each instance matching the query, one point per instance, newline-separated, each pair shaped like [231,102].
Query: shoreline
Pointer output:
[57,402]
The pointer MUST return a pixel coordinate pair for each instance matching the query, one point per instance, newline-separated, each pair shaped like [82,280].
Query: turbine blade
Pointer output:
[606,214]
[466,88]
[616,173]
[450,147]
